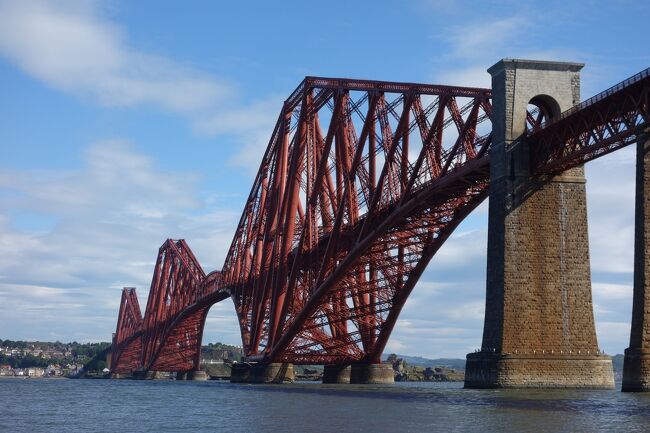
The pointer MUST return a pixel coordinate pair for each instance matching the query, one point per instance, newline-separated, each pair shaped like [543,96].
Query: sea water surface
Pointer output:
[44,405]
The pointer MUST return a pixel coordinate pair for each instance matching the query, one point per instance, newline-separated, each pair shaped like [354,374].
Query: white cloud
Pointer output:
[486,39]
[483,39]
[251,126]
[612,291]
[32,291]
[610,200]
[471,76]
[462,248]
[394,345]
[111,217]
[70,46]
[474,310]
[257,115]
[613,335]
[473,46]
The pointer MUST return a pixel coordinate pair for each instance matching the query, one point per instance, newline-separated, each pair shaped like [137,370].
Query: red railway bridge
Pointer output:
[361,184]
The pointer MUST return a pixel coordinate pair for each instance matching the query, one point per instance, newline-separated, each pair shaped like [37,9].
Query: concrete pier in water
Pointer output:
[372,374]
[636,366]
[276,372]
[334,373]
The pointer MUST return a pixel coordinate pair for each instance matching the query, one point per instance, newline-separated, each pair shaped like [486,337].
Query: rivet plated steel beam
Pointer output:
[360,185]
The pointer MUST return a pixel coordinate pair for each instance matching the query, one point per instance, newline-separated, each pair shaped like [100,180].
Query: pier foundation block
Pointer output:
[372,374]
[240,372]
[636,370]
[485,370]
[334,373]
[150,375]
[140,375]
[197,375]
[276,372]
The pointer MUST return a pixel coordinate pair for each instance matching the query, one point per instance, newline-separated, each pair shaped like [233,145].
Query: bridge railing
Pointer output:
[600,96]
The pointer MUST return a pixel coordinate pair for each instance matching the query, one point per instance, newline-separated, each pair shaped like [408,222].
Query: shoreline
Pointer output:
[34,377]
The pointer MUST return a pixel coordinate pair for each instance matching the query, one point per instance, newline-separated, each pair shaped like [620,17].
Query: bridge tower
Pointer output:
[539,324]
[636,366]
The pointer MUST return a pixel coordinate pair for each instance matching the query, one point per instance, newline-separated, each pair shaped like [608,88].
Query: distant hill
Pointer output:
[459,364]
[453,363]
[221,351]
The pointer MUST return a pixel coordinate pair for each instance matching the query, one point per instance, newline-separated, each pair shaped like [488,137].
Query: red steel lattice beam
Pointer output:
[311,278]
[361,184]
[127,342]
[598,126]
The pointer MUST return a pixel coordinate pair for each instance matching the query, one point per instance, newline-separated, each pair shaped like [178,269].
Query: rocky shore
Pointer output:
[402,370]
[413,373]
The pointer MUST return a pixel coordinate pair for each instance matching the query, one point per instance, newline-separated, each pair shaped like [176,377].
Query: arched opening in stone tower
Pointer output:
[540,110]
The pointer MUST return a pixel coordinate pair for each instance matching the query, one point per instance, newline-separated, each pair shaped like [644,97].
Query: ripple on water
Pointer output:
[167,406]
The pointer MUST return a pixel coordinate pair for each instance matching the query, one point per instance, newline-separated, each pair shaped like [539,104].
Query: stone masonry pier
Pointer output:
[636,367]
[539,325]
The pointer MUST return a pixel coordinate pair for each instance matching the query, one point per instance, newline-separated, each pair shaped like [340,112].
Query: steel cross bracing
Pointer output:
[129,324]
[171,335]
[360,185]
[600,125]
[312,277]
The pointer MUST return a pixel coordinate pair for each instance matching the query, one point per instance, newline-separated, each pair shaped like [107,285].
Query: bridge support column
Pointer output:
[197,375]
[335,373]
[275,372]
[539,325]
[636,366]
[372,374]
[150,375]
[240,372]
[139,375]
[157,375]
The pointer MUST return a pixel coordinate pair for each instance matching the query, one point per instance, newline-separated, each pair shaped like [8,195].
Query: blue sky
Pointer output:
[124,123]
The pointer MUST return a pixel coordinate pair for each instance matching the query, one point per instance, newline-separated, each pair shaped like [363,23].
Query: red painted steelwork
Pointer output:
[312,277]
[361,184]
[176,284]
[127,334]
[598,126]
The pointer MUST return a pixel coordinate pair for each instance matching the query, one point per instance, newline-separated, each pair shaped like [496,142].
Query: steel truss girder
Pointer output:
[127,344]
[321,185]
[360,185]
[598,126]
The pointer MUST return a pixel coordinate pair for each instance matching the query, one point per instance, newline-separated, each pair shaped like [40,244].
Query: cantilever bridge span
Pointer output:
[360,185]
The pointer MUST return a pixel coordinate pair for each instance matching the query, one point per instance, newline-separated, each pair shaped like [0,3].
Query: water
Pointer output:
[41,405]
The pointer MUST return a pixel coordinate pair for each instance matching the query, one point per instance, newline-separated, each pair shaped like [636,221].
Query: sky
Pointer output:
[126,123]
